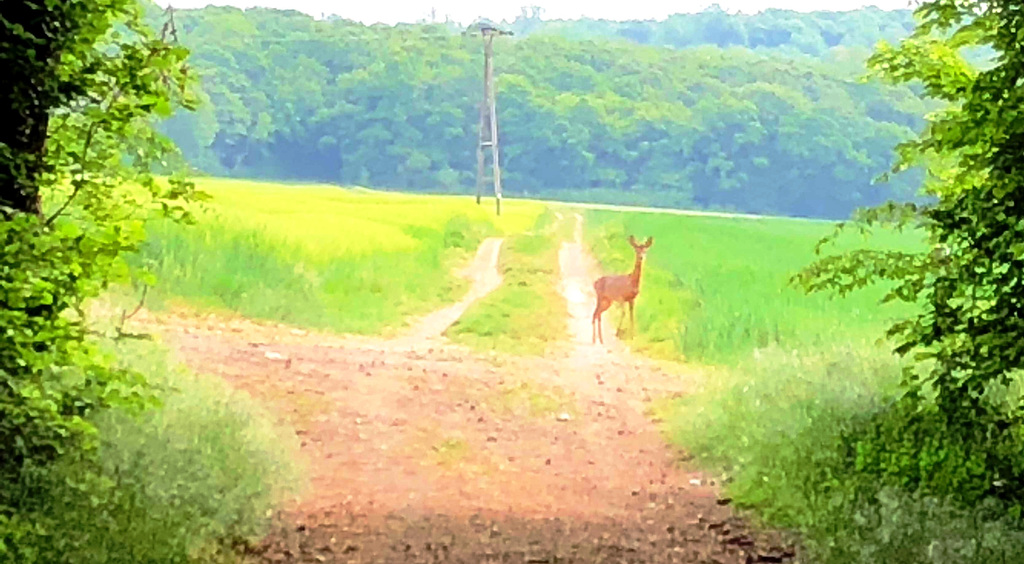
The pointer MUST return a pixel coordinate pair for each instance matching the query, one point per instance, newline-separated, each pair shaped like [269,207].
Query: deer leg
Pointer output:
[602,305]
[594,322]
[632,320]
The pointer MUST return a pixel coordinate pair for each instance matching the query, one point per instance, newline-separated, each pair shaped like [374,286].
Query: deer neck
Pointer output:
[635,275]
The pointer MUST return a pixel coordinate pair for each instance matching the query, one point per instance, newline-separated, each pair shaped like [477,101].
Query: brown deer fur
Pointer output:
[622,288]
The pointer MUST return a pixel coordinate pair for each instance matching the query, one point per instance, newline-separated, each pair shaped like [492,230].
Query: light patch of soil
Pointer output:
[577,286]
[418,452]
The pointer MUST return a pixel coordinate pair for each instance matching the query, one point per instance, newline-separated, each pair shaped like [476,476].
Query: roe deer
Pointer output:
[622,288]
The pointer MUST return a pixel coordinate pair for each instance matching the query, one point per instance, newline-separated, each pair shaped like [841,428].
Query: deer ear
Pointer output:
[632,240]
[650,241]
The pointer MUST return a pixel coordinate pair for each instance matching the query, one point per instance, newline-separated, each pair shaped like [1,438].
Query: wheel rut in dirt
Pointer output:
[577,269]
[484,279]
[421,451]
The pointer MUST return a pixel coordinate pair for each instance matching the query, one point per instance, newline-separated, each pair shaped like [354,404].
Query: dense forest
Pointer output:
[713,124]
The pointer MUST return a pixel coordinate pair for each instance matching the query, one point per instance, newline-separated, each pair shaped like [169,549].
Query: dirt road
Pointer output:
[421,451]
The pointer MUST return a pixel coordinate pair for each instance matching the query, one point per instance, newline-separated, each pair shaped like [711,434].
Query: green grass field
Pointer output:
[322,256]
[715,289]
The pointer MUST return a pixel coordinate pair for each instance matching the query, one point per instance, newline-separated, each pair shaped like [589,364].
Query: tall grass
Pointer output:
[348,260]
[715,289]
[526,314]
[182,482]
[777,427]
[773,424]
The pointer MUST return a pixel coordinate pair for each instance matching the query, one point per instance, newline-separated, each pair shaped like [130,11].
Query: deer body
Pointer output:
[622,288]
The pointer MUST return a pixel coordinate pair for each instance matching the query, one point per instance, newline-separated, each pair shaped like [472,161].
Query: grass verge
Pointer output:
[526,313]
[780,429]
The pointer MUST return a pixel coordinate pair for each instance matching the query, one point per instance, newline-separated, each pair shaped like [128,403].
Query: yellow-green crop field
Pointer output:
[328,222]
[349,260]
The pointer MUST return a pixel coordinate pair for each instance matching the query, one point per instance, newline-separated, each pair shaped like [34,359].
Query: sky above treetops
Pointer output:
[466,11]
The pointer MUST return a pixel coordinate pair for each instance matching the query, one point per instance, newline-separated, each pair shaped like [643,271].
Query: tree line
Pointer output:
[290,97]
[823,34]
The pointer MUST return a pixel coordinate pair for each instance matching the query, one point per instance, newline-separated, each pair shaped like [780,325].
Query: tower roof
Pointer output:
[484,25]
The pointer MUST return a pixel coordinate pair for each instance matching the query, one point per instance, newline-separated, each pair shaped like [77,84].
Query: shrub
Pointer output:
[775,425]
[913,446]
[896,527]
[173,484]
[813,443]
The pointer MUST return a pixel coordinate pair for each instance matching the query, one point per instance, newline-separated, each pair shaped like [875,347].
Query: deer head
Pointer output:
[641,249]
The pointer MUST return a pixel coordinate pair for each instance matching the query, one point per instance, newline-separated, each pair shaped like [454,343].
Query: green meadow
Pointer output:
[717,289]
